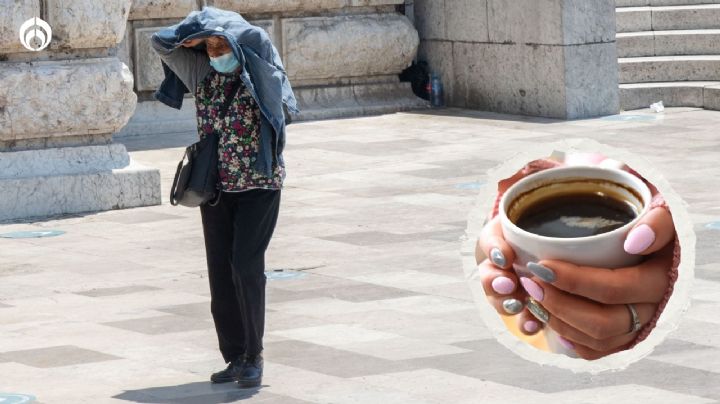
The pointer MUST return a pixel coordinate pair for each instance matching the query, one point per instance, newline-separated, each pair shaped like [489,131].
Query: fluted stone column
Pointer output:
[343,57]
[59,109]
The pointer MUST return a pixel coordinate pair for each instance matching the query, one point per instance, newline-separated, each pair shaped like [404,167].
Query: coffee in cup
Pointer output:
[575,208]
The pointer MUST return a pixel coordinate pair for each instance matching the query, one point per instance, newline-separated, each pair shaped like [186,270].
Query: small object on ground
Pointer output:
[658,107]
[436,91]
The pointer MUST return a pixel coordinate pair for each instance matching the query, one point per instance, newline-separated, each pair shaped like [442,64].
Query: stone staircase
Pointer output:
[669,50]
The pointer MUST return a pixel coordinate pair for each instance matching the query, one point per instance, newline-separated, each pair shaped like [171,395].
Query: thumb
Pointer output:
[652,232]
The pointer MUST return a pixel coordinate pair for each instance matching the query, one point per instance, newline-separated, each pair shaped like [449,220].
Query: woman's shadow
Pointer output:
[190,393]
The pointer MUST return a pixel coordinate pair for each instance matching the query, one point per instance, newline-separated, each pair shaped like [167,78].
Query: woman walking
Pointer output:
[242,94]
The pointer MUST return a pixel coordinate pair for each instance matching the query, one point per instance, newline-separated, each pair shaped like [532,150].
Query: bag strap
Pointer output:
[173,189]
[222,113]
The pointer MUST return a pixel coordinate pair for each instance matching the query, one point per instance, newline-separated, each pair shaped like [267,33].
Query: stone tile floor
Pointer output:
[373,307]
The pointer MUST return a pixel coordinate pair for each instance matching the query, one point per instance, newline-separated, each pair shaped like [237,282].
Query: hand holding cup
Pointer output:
[586,305]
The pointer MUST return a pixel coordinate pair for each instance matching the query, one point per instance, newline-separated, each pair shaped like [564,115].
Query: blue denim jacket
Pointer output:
[263,71]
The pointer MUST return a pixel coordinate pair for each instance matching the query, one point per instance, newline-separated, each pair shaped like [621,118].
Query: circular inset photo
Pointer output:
[578,259]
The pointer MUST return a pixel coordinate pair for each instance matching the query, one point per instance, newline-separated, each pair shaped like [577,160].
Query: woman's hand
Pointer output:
[190,43]
[499,280]
[588,306]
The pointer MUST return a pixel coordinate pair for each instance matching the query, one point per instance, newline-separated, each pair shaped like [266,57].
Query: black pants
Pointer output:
[237,233]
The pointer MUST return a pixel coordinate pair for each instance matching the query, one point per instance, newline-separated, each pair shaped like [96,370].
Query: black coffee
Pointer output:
[576,215]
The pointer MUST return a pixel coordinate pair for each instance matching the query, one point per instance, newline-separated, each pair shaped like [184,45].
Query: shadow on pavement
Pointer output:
[190,393]
[157,141]
[484,115]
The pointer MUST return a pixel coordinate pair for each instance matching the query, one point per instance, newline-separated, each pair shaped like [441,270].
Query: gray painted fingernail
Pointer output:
[497,257]
[541,272]
[512,306]
[538,311]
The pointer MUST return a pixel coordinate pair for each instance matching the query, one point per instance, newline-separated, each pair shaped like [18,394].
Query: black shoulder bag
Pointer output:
[196,181]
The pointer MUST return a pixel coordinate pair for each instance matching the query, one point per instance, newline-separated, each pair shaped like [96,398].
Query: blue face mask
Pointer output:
[225,63]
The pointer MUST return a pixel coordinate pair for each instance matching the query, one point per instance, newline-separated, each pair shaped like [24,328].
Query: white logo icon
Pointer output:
[35,34]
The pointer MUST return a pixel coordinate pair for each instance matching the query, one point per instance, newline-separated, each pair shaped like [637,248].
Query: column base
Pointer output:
[315,102]
[331,102]
[73,180]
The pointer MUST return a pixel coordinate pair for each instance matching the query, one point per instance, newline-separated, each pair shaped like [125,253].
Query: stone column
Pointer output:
[59,108]
[552,58]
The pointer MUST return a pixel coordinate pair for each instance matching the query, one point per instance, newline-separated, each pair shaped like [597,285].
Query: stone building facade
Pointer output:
[343,57]
[552,58]
[61,108]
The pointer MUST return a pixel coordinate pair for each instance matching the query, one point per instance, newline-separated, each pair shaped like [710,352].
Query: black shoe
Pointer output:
[230,374]
[252,370]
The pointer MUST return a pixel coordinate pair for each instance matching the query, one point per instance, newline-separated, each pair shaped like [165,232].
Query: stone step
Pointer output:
[669,43]
[665,18]
[356,100]
[669,68]
[712,97]
[699,94]
[318,102]
[634,19]
[642,3]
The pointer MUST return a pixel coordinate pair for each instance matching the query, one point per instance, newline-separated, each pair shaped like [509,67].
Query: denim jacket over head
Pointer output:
[263,71]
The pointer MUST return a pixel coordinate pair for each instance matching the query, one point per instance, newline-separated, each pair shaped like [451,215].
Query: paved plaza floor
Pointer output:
[367,302]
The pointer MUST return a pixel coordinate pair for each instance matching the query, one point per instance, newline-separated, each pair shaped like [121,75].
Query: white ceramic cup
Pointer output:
[603,250]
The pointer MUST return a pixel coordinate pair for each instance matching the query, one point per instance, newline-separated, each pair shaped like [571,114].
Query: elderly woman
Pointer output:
[242,94]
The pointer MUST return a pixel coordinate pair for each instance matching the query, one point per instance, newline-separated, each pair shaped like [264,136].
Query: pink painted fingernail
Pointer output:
[531,326]
[533,289]
[503,285]
[567,344]
[639,239]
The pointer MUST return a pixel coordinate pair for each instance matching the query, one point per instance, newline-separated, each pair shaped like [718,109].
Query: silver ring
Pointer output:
[634,320]
[537,310]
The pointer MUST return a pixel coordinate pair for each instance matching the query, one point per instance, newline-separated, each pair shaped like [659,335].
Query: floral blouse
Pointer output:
[239,132]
